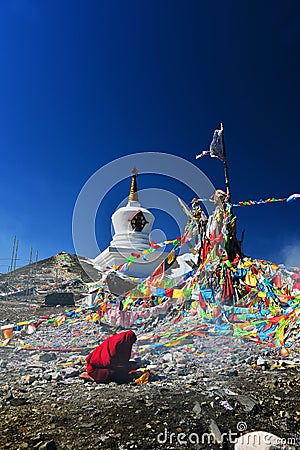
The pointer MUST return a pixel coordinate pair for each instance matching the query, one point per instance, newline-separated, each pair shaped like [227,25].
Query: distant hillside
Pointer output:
[57,272]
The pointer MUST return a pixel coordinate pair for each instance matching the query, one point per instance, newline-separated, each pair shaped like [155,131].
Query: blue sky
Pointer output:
[84,83]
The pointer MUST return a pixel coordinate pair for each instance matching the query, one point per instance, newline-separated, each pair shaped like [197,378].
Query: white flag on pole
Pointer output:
[216,149]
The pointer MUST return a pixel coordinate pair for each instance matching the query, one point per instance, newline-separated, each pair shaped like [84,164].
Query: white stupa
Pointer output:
[132,227]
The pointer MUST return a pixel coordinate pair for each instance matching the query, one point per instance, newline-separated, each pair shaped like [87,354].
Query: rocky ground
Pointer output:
[64,272]
[222,385]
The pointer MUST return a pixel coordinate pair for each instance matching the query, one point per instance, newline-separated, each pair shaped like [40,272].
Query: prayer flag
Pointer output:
[171,256]
[216,149]
[178,293]
[157,275]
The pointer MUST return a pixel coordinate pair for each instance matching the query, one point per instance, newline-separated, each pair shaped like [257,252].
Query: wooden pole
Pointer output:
[36,260]
[13,254]
[29,272]
[225,164]
[16,254]
[11,264]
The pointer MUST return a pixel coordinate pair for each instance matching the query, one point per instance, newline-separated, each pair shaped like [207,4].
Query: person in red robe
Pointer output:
[110,360]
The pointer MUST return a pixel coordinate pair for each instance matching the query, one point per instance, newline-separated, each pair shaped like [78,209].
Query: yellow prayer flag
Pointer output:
[178,293]
[261,294]
[144,378]
[171,256]
[247,263]
[251,279]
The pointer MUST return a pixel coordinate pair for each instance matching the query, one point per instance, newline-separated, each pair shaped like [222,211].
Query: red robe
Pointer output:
[110,360]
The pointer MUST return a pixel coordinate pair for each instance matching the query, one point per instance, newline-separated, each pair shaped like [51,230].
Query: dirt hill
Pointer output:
[62,271]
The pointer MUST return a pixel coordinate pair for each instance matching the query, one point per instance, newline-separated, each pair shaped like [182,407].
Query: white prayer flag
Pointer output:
[216,149]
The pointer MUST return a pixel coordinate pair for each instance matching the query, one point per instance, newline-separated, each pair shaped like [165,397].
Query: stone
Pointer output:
[260,361]
[70,372]
[230,392]
[36,365]
[18,401]
[46,357]
[87,425]
[29,379]
[38,438]
[197,409]
[247,402]
[3,364]
[231,373]
[167,357]
[47,376]
[49,445]
[214,429]
[199,373]
[8,395]
[56,376]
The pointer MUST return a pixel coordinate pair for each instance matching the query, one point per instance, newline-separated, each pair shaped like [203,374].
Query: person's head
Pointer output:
[130,336]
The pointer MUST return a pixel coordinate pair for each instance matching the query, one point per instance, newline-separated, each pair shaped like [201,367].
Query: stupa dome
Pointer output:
[132,223]
[132,227]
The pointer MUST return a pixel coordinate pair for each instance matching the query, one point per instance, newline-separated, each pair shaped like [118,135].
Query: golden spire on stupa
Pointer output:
[133,193]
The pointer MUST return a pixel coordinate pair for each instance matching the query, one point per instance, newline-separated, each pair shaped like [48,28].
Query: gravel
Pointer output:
[211,387]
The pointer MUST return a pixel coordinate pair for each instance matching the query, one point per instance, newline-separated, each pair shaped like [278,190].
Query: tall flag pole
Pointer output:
[217,150]
[225,163]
